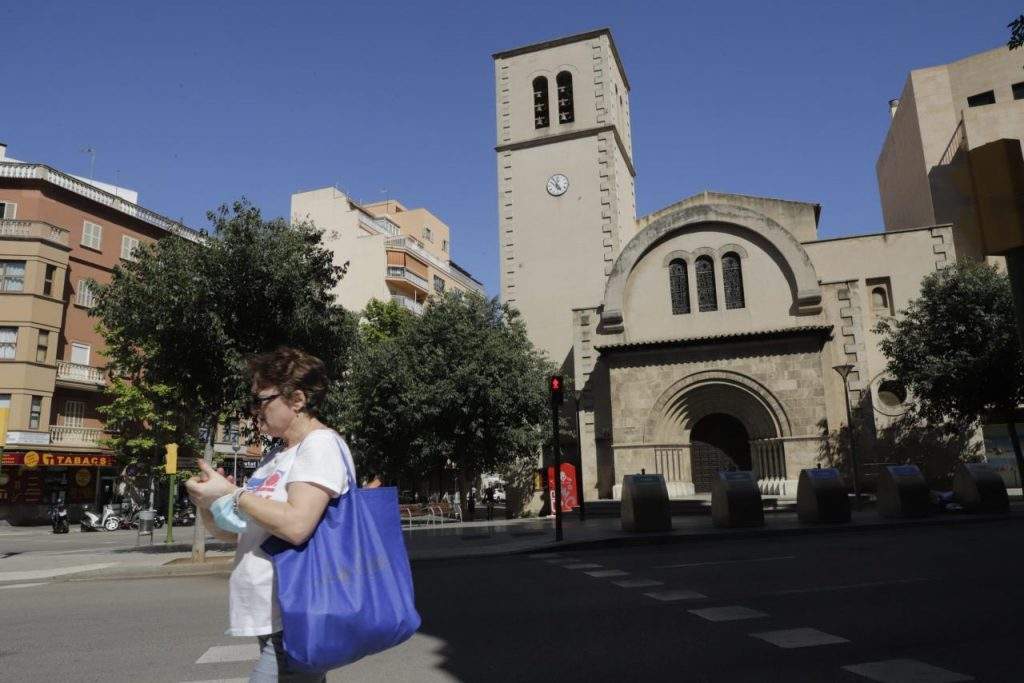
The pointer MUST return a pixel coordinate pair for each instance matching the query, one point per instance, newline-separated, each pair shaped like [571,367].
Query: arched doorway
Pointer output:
[717,442]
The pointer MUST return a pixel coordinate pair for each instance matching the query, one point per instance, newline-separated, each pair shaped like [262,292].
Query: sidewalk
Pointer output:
[455,541]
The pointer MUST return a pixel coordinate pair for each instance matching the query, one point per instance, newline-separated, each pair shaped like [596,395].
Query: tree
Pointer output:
[460,388]
[1016,33]
[956,349]
[185,315]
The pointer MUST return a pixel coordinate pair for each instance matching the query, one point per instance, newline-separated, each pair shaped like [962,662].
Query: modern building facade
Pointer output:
[58,234]
[390,252]
[706,334]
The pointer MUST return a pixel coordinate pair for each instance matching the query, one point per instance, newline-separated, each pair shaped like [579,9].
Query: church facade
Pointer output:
[705,335]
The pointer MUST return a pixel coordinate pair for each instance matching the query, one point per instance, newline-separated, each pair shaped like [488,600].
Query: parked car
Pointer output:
[499,495]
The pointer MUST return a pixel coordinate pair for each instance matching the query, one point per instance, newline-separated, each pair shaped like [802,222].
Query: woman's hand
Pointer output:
[208,486]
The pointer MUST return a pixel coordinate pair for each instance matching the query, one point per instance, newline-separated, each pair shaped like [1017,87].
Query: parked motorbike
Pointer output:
[184,515]
[59,518]
[108,520]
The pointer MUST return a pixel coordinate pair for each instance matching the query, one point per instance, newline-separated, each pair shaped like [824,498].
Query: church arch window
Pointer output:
[541,117]
[707,298]
[679,287]
[732,279]
[566,109]
[879,300]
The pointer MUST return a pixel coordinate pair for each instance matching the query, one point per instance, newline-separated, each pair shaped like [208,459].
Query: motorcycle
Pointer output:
[59,518]
[109,520]
[184,515]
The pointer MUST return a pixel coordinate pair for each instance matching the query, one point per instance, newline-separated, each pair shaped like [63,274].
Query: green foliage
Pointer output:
[141,418]
[956,347]
[1016,33]
[459,387]
[184,316]
[383,320]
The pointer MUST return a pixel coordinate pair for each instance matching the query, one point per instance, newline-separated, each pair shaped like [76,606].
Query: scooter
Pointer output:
[109,520]
[59,518]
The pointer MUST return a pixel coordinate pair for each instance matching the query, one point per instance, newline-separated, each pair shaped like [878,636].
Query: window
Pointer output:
[128,247]
[891,393]
[92,235]
[8,342]
[35,413]
[879,300]
[80,353]
[1018,90]
[8,210]
[540,102]
[444,246]
[42,346]
[74,414]
[427,234]
[439,284]
[981,99]
[5,401]
[707,298]
[51,271]
[732,279]
[679,287]
[565,105]
[12,276]
[85,296]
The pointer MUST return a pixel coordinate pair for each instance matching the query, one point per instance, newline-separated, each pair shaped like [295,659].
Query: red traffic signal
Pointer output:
[556,388]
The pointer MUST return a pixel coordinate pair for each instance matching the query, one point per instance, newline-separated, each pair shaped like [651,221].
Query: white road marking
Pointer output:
[709,564]
[844,587]
[905,671]
[606,573]
[582,565]
[542,556]
[637,583]
[730,613]
[799,637]
[50,573]
[23,585]
[230,653]
[562,560]
[671,595]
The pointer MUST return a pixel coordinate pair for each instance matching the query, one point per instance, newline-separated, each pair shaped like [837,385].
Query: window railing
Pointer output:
[407,302]
[956,143]
[75,436]
[405,273]
[76,372]
[33,230]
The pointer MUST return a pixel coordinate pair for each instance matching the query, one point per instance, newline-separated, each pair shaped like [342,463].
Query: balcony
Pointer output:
[403,273]
[408,303]
[61,435]
[78,376]
[33,230]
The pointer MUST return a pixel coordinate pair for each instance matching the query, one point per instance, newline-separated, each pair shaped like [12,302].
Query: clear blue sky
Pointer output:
[194,104]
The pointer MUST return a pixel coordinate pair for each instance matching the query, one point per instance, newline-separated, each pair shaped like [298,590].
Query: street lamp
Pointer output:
[844,372]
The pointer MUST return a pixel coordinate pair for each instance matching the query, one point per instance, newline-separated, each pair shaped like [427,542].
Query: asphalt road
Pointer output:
[937,600]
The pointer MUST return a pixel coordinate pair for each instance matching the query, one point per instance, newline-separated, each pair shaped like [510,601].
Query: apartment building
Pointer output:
[392,252]
[58,234]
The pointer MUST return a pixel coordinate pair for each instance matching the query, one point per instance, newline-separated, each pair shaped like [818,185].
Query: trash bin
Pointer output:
[902,492]
[821,496]
[645,503]
[736,500]
[147,520]
[979,488]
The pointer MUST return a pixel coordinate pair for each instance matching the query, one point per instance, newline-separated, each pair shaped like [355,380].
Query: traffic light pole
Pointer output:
[557,493]
[170,507]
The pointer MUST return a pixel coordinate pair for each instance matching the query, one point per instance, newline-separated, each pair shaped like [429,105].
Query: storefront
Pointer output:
[31,481]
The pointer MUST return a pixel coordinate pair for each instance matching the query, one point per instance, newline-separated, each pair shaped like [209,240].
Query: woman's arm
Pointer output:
[293,520]
[214,530]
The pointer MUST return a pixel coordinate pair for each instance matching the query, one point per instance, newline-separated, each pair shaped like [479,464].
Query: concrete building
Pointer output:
[392,252]
[704,335]
[943,115]
[58,233]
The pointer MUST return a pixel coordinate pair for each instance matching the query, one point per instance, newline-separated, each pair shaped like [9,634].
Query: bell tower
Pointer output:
[566,192]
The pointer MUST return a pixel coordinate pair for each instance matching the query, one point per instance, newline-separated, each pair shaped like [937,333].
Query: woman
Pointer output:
[285,497]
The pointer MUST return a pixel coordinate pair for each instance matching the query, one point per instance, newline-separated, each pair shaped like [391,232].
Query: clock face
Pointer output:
[557,185]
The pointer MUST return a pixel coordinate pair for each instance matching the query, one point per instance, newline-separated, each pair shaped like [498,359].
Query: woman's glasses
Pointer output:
[257,403]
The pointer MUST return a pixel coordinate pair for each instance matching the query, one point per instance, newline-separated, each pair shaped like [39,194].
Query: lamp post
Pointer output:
[844,372]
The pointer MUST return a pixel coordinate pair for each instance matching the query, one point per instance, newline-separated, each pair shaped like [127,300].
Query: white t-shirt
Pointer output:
[252,596]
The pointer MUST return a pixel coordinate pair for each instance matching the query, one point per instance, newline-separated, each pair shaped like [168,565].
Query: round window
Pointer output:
[891,393]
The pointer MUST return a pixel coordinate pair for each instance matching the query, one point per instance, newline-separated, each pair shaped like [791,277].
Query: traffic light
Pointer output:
[557,388]
[171,466]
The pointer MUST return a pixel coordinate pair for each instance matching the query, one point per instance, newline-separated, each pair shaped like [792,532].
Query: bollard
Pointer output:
[645,503]
[903,492]
[979,488]
[821,496]
[736,500]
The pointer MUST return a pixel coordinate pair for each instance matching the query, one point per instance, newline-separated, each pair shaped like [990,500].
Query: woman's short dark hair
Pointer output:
[290,370]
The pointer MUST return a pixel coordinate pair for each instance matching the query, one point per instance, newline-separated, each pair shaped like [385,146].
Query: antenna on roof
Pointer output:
[92,159]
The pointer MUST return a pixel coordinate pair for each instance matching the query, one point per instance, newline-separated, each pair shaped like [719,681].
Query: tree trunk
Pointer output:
[199,530]
[1015,440]
[461,481]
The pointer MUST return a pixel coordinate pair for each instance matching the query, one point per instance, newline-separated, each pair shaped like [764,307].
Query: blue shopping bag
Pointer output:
[346,592]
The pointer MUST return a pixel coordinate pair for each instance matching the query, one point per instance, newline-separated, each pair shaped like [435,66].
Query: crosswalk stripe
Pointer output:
[798,637]
[899,670]
[637,583]
[730,613]
[671,595]
[230,653]
[606,573]
[582,565]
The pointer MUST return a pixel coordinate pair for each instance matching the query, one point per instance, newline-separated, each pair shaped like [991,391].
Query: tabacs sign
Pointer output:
[33,459]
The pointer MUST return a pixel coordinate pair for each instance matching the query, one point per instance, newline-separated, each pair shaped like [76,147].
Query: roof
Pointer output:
[821,331]
[566,40]
[465,272]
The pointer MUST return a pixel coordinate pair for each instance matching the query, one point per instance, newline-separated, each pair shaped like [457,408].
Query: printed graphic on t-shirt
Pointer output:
[264,488]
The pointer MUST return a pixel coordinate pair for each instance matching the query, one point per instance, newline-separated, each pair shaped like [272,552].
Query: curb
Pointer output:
[214,566]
